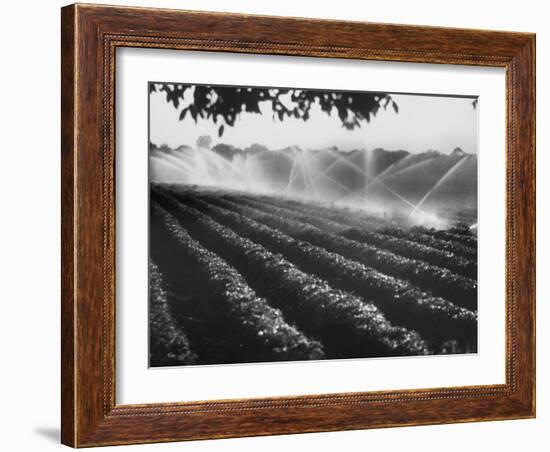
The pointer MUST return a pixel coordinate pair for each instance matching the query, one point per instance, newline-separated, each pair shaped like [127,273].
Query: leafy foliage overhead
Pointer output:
[224,104]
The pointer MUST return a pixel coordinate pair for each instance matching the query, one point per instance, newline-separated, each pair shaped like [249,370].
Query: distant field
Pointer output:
[237,277]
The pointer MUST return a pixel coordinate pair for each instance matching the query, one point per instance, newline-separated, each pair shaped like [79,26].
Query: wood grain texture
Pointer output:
[90,36]
[67,225]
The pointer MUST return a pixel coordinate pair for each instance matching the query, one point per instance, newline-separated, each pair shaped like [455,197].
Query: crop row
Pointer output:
[451,246]
[346,326]
[450,240]
[168,345]
[283,207]
[400,246]
[224,300]
[469,240]
[442,282]
[437,320]
[407,248]
[338,215]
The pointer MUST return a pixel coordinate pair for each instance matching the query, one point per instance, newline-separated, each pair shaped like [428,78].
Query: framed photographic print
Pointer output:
[280,225]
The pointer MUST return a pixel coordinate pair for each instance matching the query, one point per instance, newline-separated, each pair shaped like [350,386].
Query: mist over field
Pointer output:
[429,187]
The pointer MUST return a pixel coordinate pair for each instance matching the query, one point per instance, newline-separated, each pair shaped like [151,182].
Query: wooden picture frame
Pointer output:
[90,35]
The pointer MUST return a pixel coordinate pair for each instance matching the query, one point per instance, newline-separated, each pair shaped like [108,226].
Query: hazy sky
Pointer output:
[423,122]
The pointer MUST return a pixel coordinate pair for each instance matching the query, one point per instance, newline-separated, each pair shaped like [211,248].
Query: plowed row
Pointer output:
[237,278]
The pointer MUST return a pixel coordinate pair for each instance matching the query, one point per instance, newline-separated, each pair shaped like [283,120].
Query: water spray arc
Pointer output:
[315,176]
[443,178]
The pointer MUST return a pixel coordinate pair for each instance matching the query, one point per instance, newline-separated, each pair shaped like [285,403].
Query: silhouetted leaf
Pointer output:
[224,104]
[395,107]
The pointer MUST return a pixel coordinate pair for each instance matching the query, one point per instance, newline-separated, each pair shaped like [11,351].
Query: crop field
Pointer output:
[239,278]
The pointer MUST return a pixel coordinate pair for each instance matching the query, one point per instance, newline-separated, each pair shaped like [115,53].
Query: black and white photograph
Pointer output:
[295,224]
